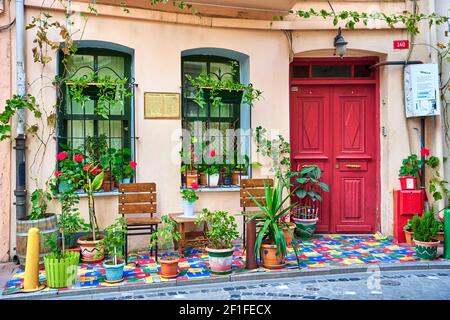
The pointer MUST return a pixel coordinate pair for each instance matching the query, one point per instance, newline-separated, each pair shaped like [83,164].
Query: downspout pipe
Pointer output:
[20,191]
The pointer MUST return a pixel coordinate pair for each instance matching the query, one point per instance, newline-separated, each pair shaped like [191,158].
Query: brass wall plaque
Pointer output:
[162,105]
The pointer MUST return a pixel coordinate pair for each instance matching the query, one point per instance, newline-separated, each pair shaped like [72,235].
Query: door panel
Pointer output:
[354,178]
[334,127]
[310,141]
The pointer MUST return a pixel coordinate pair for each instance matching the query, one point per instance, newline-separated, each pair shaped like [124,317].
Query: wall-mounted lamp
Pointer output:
[340,44]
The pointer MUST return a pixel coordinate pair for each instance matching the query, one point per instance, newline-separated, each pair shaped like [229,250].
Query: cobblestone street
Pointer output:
[371,285]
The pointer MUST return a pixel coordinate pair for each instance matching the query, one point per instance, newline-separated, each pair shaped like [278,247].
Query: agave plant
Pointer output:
[273,210]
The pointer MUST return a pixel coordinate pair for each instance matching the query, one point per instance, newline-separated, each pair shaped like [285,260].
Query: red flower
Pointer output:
[78,158]
[424,152]
[194,185]
[95,171]
[87,167]
[133,164]
[61,156]
[212,153]
[58,173]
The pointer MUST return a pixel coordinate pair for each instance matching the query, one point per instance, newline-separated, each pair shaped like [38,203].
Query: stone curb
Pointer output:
[293,273]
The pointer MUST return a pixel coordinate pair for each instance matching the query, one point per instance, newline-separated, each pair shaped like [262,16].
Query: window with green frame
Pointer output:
[199,121]
[77,123]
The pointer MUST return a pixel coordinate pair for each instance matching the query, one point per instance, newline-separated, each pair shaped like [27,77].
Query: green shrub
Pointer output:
[222,228]
[426,227]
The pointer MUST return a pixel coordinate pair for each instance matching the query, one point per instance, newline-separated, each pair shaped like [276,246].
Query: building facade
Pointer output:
[342,114]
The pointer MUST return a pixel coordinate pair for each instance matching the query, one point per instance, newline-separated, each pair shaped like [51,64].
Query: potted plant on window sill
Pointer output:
[222,230]
[270,244]
[165,237]
[112,244]
[189,198]
[213,173]
[227,175]
[409,171]
[308,191]
[425,229]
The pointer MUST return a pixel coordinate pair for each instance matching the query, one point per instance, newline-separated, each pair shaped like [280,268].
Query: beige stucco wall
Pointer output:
[5,147]
[158,48]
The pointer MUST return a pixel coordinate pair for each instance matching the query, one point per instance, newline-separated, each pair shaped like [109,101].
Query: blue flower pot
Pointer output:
[114,272]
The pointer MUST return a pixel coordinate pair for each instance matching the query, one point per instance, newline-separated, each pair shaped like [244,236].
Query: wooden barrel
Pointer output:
[46,226]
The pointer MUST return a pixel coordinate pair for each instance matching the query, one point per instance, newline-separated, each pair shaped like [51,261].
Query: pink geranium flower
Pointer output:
[194,185]
[133,164]
[78,158]
[212,153]
[424,152]
[58,173]
[61,156]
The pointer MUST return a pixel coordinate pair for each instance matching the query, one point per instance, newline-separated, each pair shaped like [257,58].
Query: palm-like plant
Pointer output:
[273,210]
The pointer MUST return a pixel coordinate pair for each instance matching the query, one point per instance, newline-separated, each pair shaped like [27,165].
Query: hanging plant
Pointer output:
[217,90]
[106,90]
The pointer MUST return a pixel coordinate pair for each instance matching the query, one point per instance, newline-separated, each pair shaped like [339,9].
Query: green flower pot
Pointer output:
[305,228]
[61,273]
[426,250]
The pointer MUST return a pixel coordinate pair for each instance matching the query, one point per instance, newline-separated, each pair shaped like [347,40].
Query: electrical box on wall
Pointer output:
[422,97]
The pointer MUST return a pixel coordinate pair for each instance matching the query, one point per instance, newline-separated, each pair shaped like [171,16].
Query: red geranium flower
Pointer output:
[133,164]
[87,167]
[194,185]
[424,152]
[61,156]
[212,153]
[95,171]
[58,173]
[78,158]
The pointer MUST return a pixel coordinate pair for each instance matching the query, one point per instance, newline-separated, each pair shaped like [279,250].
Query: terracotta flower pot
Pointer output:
[426,250]
[203,180]
[89,249]
[220,260]
[271,259]
[169,266]
[191,177]
[287,235]
[409,237]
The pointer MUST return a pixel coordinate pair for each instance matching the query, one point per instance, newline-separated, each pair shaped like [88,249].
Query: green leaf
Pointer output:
[97,182]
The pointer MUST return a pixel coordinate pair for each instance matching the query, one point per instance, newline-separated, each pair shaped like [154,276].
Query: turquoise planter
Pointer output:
[114,272]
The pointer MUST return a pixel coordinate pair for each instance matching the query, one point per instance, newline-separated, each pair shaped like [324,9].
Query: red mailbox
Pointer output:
[407,203]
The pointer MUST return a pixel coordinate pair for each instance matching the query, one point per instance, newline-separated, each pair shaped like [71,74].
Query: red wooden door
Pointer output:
[334,127]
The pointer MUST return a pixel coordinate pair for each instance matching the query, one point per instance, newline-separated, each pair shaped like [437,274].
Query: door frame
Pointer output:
[375,80]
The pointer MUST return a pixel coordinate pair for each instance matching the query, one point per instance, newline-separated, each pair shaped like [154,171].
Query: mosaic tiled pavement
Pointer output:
[320,252]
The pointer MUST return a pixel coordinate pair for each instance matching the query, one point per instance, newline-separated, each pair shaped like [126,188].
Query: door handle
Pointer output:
[353,165]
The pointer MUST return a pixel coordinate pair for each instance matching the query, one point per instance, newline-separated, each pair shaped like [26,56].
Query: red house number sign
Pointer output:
[401,44]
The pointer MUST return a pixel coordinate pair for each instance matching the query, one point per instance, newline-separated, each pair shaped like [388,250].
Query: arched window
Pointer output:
[212,124]
[81,124]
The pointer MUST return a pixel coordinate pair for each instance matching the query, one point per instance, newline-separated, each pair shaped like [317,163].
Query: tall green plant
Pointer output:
[272,213]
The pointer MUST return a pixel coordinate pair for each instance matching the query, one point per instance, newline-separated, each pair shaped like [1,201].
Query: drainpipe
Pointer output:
[20,192]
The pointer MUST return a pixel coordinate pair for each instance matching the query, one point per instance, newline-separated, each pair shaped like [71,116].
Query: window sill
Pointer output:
[96,194]
[216,189]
